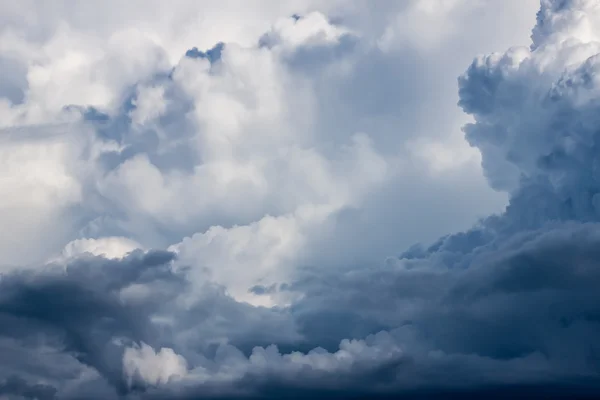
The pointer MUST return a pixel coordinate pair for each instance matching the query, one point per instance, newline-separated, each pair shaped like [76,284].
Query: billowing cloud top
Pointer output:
[222,201]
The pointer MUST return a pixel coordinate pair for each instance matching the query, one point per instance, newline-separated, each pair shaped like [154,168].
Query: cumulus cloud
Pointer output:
[109,247]
[203,212]
[153,368]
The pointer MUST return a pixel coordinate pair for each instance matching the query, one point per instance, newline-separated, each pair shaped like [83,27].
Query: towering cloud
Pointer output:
[272,177]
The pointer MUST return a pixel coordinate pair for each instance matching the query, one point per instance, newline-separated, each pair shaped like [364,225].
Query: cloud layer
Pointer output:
[203,204]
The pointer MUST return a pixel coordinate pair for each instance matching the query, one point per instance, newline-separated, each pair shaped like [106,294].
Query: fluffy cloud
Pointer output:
[142,363]
[285,160]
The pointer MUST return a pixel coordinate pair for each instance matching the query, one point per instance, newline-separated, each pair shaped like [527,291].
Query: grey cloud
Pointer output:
[531,299]
[213,55]
[83,315]
[523,313]
[80,307]
[14,80]
[17,387]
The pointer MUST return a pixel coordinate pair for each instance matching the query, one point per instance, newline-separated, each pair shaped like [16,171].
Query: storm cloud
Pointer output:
[195,217]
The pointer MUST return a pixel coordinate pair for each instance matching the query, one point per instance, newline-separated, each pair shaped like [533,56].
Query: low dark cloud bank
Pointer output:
[507,309]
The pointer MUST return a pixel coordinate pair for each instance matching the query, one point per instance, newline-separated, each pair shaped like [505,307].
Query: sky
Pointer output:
[299,199]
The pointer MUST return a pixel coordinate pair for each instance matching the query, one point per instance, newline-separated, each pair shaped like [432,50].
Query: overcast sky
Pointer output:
[319,199]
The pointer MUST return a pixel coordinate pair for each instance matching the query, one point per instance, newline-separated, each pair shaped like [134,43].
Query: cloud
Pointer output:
[176,142]
[109,247]
[526,303]
[154,368]
[17,386]
[285,168]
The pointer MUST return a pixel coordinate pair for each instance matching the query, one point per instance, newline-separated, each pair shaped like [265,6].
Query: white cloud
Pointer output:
[40,180]
[312,29]
[149,104]
[260,135]
[109,247]
[152,368]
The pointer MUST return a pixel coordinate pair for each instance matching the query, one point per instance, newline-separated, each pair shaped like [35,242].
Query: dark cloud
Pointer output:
[524,313]
[17,387]
[213,55]
[79,307]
